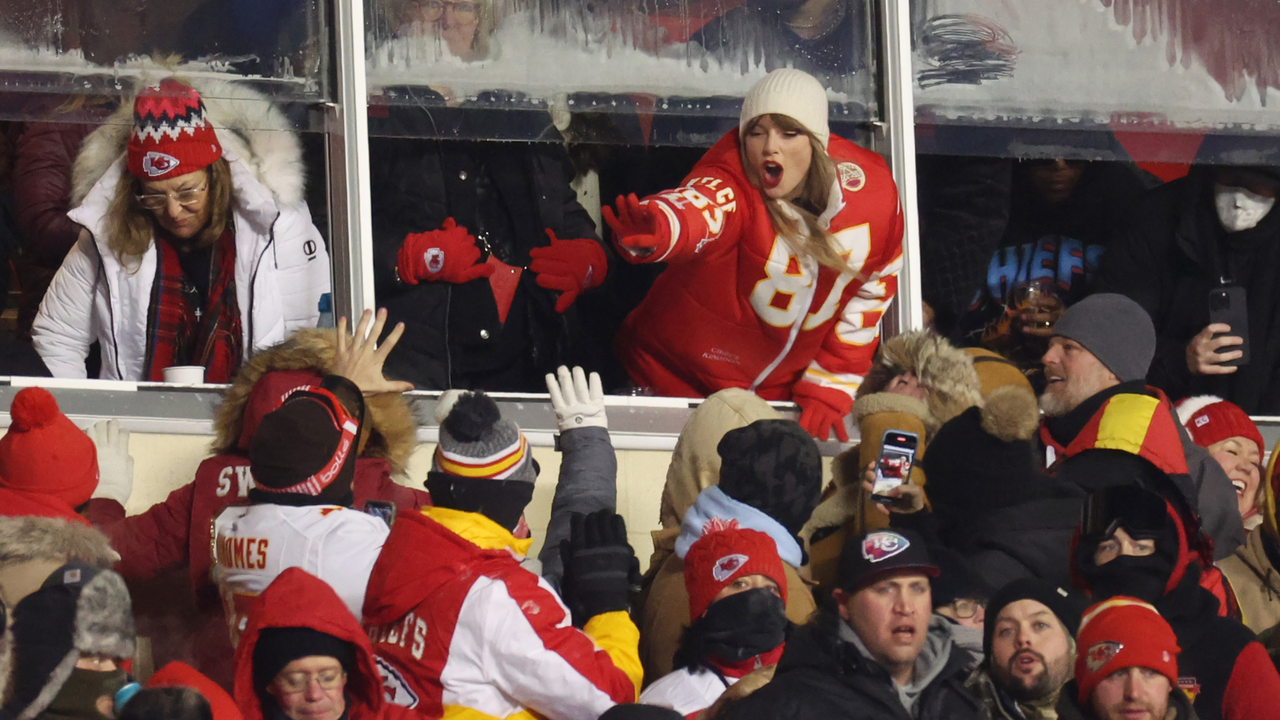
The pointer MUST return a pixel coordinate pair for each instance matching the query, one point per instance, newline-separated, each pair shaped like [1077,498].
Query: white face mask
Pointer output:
[1239,209]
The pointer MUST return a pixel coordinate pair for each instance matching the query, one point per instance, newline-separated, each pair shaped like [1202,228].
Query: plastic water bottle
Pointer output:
[326,311]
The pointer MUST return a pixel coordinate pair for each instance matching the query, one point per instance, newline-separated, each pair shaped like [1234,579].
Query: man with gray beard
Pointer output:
[1095,370]
[1030,652]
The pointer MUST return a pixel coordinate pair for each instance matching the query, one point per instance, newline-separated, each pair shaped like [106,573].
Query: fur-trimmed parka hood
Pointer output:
[948,374]
[249,126]
[393,431]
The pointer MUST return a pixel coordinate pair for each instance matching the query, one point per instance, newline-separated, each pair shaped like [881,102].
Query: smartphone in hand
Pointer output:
[893,467]
[1227,305]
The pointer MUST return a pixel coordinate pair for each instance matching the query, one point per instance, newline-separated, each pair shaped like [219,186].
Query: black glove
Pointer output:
[600,567]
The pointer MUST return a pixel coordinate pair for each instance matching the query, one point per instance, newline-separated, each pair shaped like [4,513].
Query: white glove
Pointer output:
[576,403]
[115,465]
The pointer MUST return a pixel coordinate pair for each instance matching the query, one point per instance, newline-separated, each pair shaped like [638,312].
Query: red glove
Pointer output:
[637,229]
[821,409]
[445,255]
[569,266]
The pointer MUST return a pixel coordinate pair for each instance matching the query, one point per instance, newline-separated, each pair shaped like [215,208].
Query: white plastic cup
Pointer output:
[184,374]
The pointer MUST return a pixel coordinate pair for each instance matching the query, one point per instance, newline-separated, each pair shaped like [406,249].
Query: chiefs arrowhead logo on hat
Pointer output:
[1100,654]
[726,566]
[155,163]
[883,545]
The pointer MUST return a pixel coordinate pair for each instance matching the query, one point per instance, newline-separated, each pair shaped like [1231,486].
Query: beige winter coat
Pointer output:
[1255,582]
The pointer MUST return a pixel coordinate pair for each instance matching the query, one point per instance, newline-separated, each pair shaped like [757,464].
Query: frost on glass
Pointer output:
[1177,64]
[65,44]
[674,56]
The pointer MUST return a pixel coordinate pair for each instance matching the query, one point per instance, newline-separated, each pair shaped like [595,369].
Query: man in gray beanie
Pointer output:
[1100,350]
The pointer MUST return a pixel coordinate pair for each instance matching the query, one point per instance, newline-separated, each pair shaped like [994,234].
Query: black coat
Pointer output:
[1170,255]
[824,678]
[453,335]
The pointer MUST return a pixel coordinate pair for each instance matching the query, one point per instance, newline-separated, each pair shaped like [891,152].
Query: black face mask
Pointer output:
[734,629]
[502,501]
[1141,577]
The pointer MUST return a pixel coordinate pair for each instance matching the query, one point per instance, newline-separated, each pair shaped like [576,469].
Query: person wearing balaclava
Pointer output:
[69,639]
[1215,227]
[303,462]
[737,599]
[1135,542]
[461,628]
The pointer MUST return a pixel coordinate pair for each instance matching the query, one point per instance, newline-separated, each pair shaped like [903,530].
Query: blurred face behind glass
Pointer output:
[180,205]
[311,688]
[1055,180]
[1030,651]
[454,21]
[1134,693]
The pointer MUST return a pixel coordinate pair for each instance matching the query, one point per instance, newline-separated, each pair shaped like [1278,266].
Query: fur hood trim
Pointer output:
[1011,413]
[953,384]
[394,433]
[845,497]
[892,402]
[1188,407]
[27,538]
[249,126]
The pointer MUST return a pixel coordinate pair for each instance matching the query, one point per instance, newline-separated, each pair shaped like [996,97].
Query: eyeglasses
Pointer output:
[298,682]
[185,198]
[966,609]
[434,9]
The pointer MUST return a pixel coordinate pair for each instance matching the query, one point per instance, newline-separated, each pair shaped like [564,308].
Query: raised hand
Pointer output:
[360,358]
[445,255]
[637,229]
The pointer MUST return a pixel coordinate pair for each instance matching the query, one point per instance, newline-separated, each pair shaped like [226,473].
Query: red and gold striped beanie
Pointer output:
[477,442]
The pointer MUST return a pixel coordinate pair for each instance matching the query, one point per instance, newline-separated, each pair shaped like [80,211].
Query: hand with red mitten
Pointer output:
[570,266]
[445,255]
[638,230]
[822,409]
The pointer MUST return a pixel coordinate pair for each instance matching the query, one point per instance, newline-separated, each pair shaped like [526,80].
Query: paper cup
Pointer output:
[184,374]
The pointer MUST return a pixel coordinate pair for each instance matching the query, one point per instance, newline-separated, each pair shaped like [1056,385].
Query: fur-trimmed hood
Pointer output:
[393,432]
[947,372]
[249,126]
[27,538]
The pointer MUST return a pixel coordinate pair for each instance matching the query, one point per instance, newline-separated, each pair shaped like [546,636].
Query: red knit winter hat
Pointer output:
[171,134]
[45,452]
[268,394]
[1120,633]
[1211,419]
[180,674]
[724,554]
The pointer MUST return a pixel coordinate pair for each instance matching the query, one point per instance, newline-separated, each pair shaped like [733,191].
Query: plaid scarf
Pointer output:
[181,332]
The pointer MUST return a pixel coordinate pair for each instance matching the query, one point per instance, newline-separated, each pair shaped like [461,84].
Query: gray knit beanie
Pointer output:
[477,442]
[1115,329]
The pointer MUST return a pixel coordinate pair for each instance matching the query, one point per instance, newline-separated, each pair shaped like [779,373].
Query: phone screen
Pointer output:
[893,468]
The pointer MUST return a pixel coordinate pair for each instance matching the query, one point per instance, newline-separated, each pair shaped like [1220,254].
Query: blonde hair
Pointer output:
[805,236]
[131,227]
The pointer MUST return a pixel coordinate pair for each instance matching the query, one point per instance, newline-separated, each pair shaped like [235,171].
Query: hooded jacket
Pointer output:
[177,531]
[766,319]
[281,265]
[296,599]
[825,674]
[461,630]
[1221,666]
[1168,258]
[1140,420]
[695,466]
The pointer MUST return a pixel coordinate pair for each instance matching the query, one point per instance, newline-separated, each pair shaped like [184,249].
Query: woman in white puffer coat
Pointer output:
[197,249]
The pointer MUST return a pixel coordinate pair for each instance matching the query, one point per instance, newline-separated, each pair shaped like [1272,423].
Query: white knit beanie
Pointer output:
[790,92]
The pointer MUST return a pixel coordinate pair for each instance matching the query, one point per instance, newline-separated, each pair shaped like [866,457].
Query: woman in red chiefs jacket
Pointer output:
[784,246]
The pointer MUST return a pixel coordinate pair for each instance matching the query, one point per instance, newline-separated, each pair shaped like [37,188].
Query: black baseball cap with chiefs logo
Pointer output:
[865,559]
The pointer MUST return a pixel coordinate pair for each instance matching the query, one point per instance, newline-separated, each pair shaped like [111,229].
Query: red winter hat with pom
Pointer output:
[1210,419]
[45,452]
[723,554]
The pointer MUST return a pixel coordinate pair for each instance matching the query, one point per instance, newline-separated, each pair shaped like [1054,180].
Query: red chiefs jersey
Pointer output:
[737,308]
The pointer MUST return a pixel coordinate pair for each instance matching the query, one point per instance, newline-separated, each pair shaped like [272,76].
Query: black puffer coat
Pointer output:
[1168,258]
[510,192]
[824,678]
